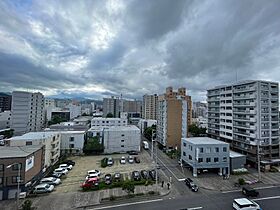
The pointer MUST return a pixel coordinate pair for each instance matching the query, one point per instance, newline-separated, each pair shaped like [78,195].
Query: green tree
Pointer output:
[109,115]
[128,187]
[93,146]
[196,131]
[56,120]
[27,205]
[148,132]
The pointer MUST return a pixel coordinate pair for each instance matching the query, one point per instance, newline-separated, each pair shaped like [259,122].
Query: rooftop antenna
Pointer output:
[236,75]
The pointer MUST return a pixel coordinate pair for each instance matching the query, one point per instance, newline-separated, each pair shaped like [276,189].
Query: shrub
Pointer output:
[104,162]
[129,187]
[27,205]
[151,192]
[112,198]
[241,181]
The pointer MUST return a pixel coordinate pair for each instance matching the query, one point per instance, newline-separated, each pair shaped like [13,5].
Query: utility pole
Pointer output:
[152,153]
[258,159]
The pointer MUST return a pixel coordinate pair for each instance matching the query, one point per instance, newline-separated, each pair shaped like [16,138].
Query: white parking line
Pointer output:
[194,208]
[266,198]
[268,187]
[127,204]
[231,191]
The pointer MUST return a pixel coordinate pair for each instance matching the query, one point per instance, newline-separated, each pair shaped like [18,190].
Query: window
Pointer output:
[201,149]
[216,159]
[28,143]
[71,145]
[15,167]
[1,180]
[191,148]
[208,160]
[217,149]
[224,149]
[122,134]
[71,138]
[1,167]
[184,144]
[208,150]
[224,159]
[200,160]
[122,140]
[184,154]
[122,145]
[14,179]
[190,157]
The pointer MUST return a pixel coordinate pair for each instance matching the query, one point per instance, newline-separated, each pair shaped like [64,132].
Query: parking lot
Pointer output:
[76,176]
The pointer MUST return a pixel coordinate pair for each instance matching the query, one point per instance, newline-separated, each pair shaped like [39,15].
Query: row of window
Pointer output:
[14,167]
[207,149]
[207,160]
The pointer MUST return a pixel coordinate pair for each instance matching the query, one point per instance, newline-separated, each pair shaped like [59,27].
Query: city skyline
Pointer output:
[101,48]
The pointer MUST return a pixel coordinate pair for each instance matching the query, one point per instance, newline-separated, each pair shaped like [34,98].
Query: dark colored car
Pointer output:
[152,174]
[144,174]
[189,182]
[68,162]
[108,179]
[117,177]
[248,191]
[136,159]
[136,176]
[133,152]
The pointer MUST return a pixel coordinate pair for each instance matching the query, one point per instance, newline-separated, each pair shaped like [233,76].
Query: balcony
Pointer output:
[275,119]
[275,127]
[265,127]
[244,104]
[241,133]
[265,135]
[264,119]
[213,93]
[213,105]
[213,99]
[275,134]
[241,125]
[252,135]
[274,89]
[247,96]
[245,89]
[274,105]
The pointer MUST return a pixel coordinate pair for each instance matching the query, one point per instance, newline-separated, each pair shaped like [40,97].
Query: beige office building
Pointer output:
[149,108]
[174,117]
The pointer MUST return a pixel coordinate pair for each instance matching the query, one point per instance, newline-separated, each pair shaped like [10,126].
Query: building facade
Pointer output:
[143,124]
[5,119]
[111,105]
[72,142]
[5,102]
[173,118]
[149,107]
[205,153]
[245,114]
[50,141]
[27,112]
[49,102]
[105,122]
[121,139]
[31,160]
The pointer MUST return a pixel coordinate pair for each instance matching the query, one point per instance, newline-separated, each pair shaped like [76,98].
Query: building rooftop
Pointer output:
[203,140]
[233,154]
[108,118]
[34,135]
[24,151]
[122,128]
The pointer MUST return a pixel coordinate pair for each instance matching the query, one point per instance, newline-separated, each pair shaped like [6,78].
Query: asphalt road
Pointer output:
[269,199]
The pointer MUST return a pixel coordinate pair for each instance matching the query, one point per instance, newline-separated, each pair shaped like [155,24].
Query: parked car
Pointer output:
[122,160]
[69,162]
[136,176]
[90,183]
[50,180]
[43,188]
[62,171]
[57,175]
[189,182]
[136,159]
[245,204]
[144,174]
[92,174]
[68,167]
[248,191]
[130,159]
[132,152]
[152,174]
[108,179]
[110,161]
[117,177]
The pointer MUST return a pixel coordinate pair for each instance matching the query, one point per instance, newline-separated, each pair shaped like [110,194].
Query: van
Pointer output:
[245,204]
[145,145]
[248,191]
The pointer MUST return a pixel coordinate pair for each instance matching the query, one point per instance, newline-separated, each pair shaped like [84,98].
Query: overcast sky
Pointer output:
[101,48]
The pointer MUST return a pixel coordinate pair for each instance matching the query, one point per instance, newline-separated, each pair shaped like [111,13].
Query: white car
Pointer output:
[50,180]
[122,161]
[245,204]
[43,188]
[130,159]
[63,171]
[93,173]
[68,167]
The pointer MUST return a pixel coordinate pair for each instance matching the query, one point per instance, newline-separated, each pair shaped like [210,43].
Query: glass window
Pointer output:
[15,166]
[71,145]
[208,160]
[184,154]
[224,149]
[184,144]
[216,159]
[224,159]
[190,157]
[122,140]
[122,145]
[201,149]
[1,180]
[1,167]
[71,138]
[14,179]
[200,160]
[217,149]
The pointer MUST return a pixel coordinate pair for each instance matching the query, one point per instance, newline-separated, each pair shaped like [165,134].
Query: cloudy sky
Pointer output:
[100,48]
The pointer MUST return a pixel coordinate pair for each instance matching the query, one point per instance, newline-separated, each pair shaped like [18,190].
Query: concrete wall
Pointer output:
[237,162]
[75,138]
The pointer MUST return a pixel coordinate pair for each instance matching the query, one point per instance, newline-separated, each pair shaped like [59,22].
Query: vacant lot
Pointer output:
[83,164]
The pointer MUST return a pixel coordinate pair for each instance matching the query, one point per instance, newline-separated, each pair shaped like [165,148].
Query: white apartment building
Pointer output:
[244,114]
[121,139]
[143,124]
[72,142]
[150,106]
[27,112]
[49,102]
[5,119]
[105,122]
[51,141]
[75,110]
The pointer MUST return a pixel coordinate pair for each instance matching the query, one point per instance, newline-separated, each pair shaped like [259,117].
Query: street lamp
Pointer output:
[18,179]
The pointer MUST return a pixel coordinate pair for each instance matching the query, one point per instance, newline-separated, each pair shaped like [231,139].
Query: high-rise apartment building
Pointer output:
[111,105]
[27,111]
[149,107]
[174,117]
[5,102]
[245,114]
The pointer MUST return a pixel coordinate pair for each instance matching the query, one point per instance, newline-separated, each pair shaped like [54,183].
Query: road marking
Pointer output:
[266,198]
[128,204]
[260,188]
[194,208]
[168,168]
[180,180]
[231,191]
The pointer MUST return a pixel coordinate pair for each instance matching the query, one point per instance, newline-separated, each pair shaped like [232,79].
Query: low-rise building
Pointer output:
[68,126]
[30,159]
[121,139]
[143,124]
[51,141]
[205,153]
[105,122]
[72,142]
[237,160]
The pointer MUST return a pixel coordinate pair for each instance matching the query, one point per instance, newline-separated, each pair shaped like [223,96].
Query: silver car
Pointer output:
[43,188]
[50,180]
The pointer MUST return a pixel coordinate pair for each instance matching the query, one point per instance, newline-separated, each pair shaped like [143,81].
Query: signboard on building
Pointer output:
[29,163]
